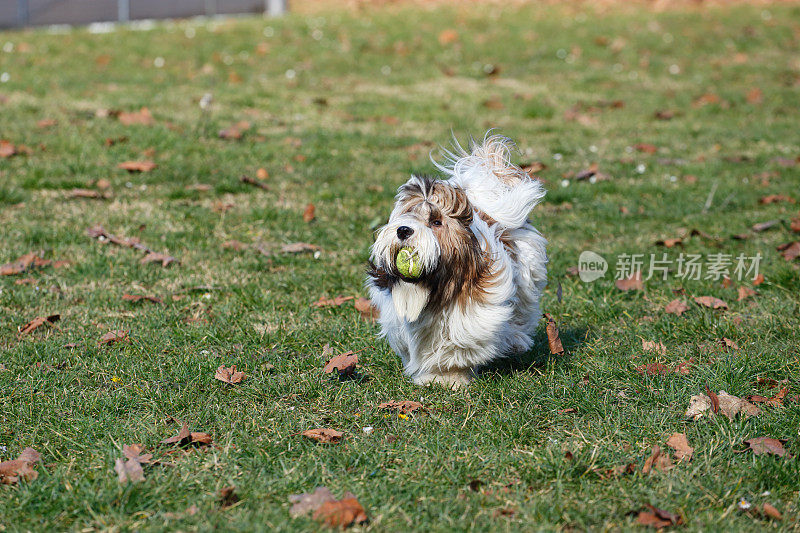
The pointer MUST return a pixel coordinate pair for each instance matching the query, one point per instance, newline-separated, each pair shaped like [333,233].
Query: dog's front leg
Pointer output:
[452,378]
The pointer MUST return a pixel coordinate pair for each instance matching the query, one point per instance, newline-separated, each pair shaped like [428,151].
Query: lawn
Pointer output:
[691,117]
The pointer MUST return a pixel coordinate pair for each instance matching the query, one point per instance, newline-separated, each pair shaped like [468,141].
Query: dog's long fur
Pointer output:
[484,265]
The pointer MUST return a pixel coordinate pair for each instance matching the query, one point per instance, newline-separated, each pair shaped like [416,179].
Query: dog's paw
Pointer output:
[451,379]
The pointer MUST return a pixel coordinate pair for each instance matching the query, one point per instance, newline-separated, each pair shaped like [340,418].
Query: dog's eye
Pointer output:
[436,222]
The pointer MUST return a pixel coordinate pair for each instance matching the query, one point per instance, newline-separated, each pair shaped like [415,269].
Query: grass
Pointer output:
[343,108]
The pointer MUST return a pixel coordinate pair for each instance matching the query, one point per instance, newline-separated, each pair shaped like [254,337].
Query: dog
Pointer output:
[483,265]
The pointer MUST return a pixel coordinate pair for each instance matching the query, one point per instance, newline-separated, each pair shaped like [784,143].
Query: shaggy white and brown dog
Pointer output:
[484,266]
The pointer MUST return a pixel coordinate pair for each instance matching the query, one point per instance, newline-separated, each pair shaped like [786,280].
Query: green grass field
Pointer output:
[342,109]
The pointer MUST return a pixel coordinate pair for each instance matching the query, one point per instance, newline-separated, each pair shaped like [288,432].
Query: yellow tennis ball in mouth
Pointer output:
[408,264]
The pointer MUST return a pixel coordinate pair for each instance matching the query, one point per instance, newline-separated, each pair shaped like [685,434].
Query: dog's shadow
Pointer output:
[537,357]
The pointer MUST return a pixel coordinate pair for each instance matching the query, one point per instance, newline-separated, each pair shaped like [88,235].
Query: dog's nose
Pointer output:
[404,232]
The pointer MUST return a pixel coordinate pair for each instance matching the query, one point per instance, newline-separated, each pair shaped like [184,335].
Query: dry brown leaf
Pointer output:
[553,338]
[137,166]
[775,198]
[262,174]
[134,451]
[129,471]
[20,468]
[113,337]
[368,311]
[344,363]
[776,401]
[710,301]
[323,435]
[764,226]
[767,446]
[744,293]
[46,123]
[658,460]
[448,37]
[665,114]
[653,346]
[755,96]
[309,213]
[493,103]
[156,257]
[227,497]
[23,263]
[235,245]
[141,297]
[680,444]
[658,518]
[185,437]
[305,503]
[633,283]
[676,307]
[727,404]
[254,182]
[331,302]
[405,406]
[769,510]
[790,251]
[298,247]
[7,149]
[670,243]
[87,193]
[795,225]
[234,131]
[142,117]
[341,513]
[646,148]
[37,322]
[229,375]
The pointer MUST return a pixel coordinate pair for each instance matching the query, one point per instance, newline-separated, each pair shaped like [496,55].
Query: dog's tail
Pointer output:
[493,184]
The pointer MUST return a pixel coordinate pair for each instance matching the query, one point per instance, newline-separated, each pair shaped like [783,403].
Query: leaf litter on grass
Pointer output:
[327,509]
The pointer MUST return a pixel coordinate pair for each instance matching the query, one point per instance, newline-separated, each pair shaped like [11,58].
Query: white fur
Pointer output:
[444,347]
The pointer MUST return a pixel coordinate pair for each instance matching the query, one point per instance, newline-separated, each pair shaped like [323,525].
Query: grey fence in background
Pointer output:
[15,13]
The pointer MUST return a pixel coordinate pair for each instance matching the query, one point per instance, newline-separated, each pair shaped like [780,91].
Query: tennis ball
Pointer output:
[408,264]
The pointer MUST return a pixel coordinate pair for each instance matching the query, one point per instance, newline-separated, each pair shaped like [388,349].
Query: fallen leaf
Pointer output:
[323,435]
[262,174]
[755,96]
[227,497]
[129,471]
[185,437]
[20,468]
[254,182]
[670,243]
[229,375]
[368,311]
[36,322]
[771,511]
[680,444]
[113,337]
[633,283]
[344,363]
[790,251]
[448,37]
[46,123]
[658,518]
[303,504]
[646,148]
[405,406]
[142,117]
[533,167]
[775,198]
[758,280]
[766,446]
[665,114]
[657,460]
[235,245]
[728,405]
[235,131]
[298,247]
[650,346]
[137,166]
[140,297]
[795,225]
[309,213]
[87,193]
[764,226]
[553,338]
[745,292]
[134,451]
[331,302]
[156,257]
[341,513]
[676,307]
[710,301]
[22,264]
[776,400]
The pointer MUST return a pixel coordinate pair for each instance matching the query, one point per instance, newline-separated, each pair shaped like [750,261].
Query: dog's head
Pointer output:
[435,219]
